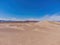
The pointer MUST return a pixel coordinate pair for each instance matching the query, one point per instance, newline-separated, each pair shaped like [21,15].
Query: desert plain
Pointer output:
[32,33]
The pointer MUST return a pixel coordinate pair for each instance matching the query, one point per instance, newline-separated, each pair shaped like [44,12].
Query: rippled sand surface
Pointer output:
[40,33]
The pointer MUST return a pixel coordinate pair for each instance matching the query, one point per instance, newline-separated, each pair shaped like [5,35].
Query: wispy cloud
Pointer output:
[53,17]
[49,17]
[9,19]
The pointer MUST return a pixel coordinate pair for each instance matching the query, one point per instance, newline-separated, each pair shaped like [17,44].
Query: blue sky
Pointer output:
[28,8]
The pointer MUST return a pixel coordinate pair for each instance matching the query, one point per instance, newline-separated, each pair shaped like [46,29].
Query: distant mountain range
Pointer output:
[2,21]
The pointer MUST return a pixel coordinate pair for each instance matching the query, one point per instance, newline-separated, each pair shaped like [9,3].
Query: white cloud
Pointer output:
[53,17]
[44,17]
[8,19]
[33,19]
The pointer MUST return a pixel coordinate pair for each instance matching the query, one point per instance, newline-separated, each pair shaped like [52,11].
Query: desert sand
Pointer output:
[39,33]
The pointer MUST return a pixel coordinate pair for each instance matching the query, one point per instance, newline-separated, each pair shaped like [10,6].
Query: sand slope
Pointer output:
[40,33]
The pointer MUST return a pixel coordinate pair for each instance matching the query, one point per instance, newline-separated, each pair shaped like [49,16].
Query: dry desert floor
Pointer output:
[40,33]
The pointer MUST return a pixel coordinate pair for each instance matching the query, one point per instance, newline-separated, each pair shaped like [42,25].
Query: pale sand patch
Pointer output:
[41,33]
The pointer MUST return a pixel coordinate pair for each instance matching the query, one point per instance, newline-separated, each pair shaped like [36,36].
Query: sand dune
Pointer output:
[39,33]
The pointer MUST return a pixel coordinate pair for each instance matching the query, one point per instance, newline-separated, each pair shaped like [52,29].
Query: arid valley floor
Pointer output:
[39,33]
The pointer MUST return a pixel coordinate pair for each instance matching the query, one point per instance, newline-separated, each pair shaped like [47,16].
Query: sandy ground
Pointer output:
[40,33]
